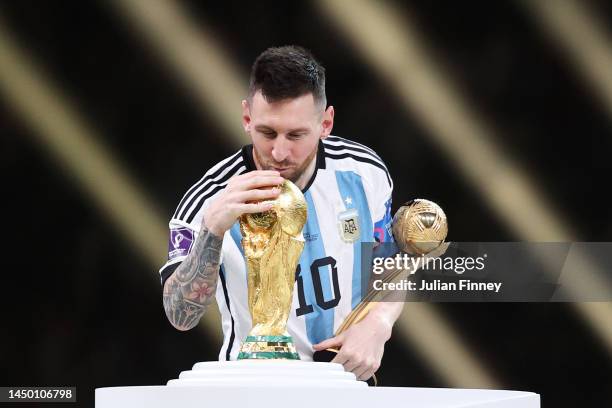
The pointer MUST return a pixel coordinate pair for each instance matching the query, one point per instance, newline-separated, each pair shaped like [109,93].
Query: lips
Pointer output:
[279,168]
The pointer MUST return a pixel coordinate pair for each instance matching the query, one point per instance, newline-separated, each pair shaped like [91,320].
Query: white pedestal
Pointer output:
[295,384]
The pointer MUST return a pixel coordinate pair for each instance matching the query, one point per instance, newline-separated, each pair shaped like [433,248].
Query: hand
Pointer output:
[239,197]
[361,346]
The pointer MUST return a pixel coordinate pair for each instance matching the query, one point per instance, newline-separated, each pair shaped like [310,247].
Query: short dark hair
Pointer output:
[287,72]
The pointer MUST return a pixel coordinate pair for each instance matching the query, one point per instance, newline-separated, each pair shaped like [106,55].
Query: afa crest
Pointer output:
[348,225]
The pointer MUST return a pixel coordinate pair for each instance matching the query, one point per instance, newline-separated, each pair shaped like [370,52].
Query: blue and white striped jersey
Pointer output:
[349,202]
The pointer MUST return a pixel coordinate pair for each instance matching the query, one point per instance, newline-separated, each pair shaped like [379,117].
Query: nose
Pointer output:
[280,150]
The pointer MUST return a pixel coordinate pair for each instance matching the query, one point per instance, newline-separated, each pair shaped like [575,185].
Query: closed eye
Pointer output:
[268,133]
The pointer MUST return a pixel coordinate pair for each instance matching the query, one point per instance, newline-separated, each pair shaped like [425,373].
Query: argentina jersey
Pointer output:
[349,202]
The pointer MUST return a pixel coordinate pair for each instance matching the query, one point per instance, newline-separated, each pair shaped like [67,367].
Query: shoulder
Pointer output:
[341,153]
[211,183]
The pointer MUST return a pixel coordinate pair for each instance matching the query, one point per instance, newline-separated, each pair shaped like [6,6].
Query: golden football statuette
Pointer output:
[272,243]
[419,227]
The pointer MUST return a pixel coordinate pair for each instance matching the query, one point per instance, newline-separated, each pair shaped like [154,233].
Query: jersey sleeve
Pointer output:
[180,242]
[382,212]
[184,226]
[382,227]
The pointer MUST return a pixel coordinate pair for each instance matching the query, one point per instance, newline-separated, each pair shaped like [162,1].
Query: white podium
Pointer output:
[295,384]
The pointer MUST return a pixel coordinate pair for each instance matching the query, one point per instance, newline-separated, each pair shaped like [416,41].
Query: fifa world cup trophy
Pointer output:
[272,243]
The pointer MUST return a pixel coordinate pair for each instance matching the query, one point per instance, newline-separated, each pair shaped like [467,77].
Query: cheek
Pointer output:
[299,154]
[306,149]
[263,146]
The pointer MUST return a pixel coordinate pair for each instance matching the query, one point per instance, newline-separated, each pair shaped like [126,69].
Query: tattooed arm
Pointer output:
[190,289]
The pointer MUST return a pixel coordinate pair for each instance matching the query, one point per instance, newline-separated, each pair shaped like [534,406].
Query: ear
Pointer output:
[328,122]
[246,116]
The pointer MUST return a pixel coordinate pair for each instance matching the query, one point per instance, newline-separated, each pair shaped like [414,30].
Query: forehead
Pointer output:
[284,113]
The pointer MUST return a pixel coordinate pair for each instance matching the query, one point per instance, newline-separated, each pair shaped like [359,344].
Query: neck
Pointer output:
[307,174]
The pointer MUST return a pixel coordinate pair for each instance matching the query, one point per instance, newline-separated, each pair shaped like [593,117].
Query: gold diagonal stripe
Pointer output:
[64,134]
[581,34]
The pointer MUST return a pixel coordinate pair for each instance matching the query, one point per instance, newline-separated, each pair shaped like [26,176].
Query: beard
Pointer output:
[294,170]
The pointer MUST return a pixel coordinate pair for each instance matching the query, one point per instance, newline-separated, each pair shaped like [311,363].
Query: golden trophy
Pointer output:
[272,243]
[419,227]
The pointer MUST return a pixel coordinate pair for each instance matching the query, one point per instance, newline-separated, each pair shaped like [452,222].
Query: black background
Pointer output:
[81,307]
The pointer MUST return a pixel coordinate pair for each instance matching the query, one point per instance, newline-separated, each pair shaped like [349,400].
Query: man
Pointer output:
[348,191]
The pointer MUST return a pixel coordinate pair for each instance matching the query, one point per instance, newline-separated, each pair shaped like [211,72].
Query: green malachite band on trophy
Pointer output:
[268,347]
[268,355]
[275,339]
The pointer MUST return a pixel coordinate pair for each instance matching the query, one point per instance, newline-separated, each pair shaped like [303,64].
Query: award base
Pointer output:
[268,347]
[305,384]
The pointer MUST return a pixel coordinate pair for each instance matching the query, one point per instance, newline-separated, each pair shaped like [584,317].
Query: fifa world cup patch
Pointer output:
[348,225]
[181,241]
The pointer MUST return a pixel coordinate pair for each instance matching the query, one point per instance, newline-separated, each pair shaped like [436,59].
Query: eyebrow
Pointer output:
[264,127]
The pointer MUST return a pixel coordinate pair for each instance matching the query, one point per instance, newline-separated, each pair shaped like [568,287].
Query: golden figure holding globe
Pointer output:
[272,243]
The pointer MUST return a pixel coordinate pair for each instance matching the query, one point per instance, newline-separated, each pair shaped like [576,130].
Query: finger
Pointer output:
[365,376]
[333,342]
[259,181]
[340,359]
[256,173]
[370,367]
[360,371]
[256,195]
[354,366]
[252,208]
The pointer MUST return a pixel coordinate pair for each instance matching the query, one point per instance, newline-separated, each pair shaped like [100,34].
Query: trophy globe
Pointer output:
[419,227]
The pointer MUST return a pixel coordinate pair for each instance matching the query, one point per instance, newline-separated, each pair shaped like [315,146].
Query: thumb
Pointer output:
[329,343]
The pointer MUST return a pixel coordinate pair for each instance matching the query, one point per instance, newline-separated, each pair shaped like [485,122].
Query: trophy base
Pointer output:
[267,348]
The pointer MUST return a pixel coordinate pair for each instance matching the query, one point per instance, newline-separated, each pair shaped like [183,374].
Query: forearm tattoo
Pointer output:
[191,288]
